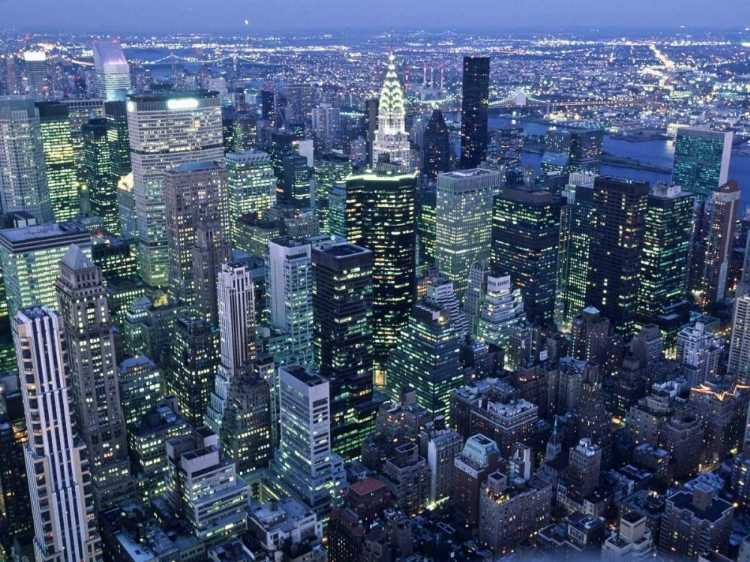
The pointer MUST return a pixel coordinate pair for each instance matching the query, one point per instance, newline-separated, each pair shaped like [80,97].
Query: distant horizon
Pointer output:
[229,16]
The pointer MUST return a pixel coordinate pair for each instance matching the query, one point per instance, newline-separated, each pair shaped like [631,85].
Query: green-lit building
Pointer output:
[426,358]
[619,227]
[59,157]
[30,256]
[342,332]
[332,167]
[701,160]
[101,183]
[575,240]
[664,262]
[195,358]
[426,224]
[251,185]
[463,228]
[380,216]
[525,240]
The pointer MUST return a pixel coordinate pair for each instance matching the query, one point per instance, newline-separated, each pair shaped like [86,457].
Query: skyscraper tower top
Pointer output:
[391,137]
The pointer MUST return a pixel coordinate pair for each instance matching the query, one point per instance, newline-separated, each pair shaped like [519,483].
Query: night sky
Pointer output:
[280,15]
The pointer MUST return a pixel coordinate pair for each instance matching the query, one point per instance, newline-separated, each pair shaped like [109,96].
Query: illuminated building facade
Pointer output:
[342,309]
[60,498]
[59,159]
[111,70]
[251,185]
[166,130]
[391,137]
[101,183]
[426,358]
[23,173]
[501,310]
[525,239]
[572,151]
[426,224]
[464,222]
[436,150]
[380,217]
[331,168]
[620,207]
[701,160]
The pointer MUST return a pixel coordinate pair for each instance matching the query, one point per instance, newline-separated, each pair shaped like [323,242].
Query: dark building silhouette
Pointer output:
[475,104]
[436,156]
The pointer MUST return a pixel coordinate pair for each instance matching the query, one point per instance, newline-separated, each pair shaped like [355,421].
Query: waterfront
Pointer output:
[657,152]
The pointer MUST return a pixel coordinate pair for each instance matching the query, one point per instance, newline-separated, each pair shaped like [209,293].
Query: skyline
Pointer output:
[237,15]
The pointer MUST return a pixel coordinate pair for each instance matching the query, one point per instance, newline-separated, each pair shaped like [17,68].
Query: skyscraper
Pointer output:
[426,358]
[194,360]
[36,74]
[739,350]
[60,494]
[30,257]
[236,296]
[464,222]
[474,108]
[342,309]
[91,348]
[23,172]
[620,207]
[304,464]
[701,160]
[664,263]
[296,184]
[391,137]
[166,130]
[101,183]
[426,224]
[59,158]
[525,241]
[332,167]
[251,185]
[112,72]
[575,242]
[371,125]
[380,217]
[118,139]
[436,147]
[501,310]
[289,284]
[194,196]
[712,251]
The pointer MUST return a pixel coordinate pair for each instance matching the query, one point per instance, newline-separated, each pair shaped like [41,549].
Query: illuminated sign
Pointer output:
[34,56]
[131,106]
[183,103]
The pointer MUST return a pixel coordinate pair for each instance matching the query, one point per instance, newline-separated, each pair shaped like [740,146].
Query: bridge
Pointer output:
[523,98]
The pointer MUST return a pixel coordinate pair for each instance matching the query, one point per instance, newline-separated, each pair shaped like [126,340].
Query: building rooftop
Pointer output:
[75,259]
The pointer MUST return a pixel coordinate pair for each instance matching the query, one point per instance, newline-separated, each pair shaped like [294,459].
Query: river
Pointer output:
[658,152]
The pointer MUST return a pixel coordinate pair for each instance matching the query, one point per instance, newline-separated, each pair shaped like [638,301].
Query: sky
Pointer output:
[278,15]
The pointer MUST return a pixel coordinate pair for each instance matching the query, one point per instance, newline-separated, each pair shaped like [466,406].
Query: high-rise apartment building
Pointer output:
[474,110]
[391,137]
[194,196]
[342,309]
[166,130]
[59,159]
[90,336]
[701,160]
[304,464]
[111,70]
[464,222]
[289,285]
[525,240]
[620,207]
[583,470]
[60,492]
[699,351]
[23,172]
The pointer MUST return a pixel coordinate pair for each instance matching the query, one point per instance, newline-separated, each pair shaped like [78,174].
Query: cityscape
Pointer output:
[374,294]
